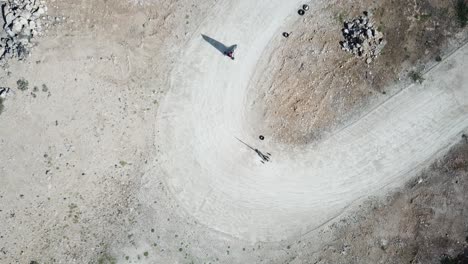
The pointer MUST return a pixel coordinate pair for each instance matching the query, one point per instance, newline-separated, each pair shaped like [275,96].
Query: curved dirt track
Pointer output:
[224,185]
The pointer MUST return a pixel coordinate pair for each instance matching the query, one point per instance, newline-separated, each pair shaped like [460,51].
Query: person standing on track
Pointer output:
[230,52]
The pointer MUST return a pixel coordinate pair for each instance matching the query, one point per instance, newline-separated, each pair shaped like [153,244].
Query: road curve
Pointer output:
[223,184]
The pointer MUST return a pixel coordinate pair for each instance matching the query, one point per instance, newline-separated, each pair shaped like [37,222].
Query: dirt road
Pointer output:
[225,186]
[123,149]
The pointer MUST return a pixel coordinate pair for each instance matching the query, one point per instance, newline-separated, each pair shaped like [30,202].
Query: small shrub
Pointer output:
[340,17]
[461,8]
[423,17]
[416,76]
[461,258]
[106,259]
[448,260]
[438,58]
[23,84]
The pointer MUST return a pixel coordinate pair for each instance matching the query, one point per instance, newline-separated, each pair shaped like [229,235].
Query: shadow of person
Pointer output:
[218,45]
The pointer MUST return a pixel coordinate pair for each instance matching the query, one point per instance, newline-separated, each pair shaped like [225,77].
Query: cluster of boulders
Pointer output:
[361,38]
[21,23]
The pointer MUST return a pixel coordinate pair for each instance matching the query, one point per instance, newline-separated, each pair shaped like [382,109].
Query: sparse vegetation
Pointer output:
[416,76]
[23,84]
[423,17]
[106,259]
[461,8]
[340,17]
[460,259]
[447,260]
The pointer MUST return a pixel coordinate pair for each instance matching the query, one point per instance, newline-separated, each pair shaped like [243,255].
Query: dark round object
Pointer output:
[301,12]
[305,7]
[261,137]
[285,34]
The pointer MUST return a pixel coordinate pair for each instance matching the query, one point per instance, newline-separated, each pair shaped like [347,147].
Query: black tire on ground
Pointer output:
[305,7]
[261,137]
[301,12]
[285,34]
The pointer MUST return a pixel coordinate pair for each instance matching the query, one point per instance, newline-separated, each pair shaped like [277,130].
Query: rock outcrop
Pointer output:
[21,24]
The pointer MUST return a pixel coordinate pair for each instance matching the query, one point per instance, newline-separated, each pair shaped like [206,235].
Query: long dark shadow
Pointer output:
[218,45]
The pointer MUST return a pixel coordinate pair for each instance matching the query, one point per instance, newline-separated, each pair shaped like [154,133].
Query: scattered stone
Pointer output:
[4,92]
[361,38]
[383,244]
[21,25]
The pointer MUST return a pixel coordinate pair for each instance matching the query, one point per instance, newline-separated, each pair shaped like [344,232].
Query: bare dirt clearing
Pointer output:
[83,176]
[76,137]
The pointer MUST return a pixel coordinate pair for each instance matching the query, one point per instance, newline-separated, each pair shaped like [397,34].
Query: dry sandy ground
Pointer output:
[225,185]
[317,88]
[87,177]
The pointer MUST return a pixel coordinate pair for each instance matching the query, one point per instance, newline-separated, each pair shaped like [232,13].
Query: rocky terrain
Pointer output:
[361,38]
[21,23]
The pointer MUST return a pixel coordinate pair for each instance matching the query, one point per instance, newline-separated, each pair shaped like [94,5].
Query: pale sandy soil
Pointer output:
[88,174]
